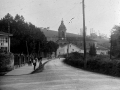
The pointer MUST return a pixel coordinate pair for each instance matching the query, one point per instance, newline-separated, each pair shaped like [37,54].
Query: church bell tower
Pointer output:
[62,31]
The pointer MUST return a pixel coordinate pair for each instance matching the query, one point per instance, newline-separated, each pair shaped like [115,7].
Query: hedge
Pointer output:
[99,63]
[6,62]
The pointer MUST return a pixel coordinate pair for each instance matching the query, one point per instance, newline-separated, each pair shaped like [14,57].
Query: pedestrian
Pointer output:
[34,63]
[40,61]
[36,59]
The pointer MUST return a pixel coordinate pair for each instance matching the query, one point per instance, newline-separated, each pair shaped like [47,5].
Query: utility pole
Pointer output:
[84,34]
[8,37]
[39,50]
[111,46]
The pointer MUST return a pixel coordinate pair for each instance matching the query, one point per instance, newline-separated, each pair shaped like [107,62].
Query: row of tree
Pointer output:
[27,38]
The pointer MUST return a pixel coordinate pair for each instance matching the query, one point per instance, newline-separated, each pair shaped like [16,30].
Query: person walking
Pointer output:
[40,61]
[34,63]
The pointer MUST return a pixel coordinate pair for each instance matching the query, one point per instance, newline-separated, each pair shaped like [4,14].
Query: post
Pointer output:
[68,50]
[111,46]
[8,37]
[39,53]
[84,35]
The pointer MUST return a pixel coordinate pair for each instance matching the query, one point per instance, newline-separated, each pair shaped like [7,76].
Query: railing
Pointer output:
[20,60]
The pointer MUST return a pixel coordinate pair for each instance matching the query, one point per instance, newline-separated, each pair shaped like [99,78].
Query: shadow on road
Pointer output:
[40,68]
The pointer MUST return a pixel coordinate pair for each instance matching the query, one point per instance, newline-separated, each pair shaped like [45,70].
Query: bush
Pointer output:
[92,51]
[99,63]
[6,61]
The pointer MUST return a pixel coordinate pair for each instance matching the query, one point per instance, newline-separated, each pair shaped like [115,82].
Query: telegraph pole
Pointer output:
[84,34]
[8,36]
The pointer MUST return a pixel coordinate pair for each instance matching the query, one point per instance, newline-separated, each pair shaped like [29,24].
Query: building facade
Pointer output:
[5,42]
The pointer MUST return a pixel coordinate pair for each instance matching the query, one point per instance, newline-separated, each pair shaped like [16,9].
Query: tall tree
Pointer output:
[115,41]
[22,32]
[92,51]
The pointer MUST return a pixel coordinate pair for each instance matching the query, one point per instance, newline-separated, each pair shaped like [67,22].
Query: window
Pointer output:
[73,50]
[2,44]
[3,39]
[6,40]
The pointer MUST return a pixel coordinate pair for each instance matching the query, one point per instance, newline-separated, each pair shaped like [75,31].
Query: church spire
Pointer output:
[62,30]
[62,26]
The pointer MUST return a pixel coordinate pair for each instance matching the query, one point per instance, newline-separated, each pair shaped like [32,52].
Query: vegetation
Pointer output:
[115,41]
[27,38]
[6,62]
[92,51]
[99,63]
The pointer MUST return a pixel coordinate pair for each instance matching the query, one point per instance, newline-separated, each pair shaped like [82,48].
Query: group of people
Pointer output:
[34,62]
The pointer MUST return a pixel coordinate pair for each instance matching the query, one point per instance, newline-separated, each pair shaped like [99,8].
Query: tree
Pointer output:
[115,41]
[92,51]
[23,32]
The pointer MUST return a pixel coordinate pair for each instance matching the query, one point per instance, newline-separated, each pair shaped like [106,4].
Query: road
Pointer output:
[59,76]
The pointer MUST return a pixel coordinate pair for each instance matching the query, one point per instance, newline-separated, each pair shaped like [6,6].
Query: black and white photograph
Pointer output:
[59,44]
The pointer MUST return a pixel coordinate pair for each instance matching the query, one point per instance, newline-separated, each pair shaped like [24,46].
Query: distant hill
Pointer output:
[51,34]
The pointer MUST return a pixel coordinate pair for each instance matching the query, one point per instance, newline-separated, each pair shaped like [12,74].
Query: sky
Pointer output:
[100,15]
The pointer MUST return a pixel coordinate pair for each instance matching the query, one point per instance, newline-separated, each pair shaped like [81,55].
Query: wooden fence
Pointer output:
[20,60]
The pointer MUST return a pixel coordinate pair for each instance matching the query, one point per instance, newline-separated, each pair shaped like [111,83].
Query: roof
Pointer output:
[5,34]
[62,26]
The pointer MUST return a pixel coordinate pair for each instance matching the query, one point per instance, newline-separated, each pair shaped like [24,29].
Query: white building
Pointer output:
[5,41]
[101,50]
[68,48]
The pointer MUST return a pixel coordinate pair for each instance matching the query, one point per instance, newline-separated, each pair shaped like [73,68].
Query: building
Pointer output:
[5,41]
[68,48]
[101,50]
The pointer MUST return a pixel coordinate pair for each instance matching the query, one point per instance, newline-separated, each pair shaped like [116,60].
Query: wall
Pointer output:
[71,47]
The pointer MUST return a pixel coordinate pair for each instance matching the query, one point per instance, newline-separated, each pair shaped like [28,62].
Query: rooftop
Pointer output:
[5,34]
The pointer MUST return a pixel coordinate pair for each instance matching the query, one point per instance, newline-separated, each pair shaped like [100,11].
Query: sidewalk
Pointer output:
[25,69]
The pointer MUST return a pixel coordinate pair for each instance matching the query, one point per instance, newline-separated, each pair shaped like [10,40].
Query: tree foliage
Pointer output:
[24,34]
[51,47]
[115,41]
[92,51]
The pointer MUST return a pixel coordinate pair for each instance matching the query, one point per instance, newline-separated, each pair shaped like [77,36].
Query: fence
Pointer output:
[20,60]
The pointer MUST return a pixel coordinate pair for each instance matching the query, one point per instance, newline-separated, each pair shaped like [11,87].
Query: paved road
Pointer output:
[59,76]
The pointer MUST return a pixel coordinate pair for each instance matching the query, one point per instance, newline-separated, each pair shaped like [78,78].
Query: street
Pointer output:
[59,76]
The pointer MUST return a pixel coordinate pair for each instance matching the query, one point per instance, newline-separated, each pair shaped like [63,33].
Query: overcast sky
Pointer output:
[100,15]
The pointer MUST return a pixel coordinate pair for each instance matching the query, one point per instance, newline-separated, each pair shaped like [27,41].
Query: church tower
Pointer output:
[62,31]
